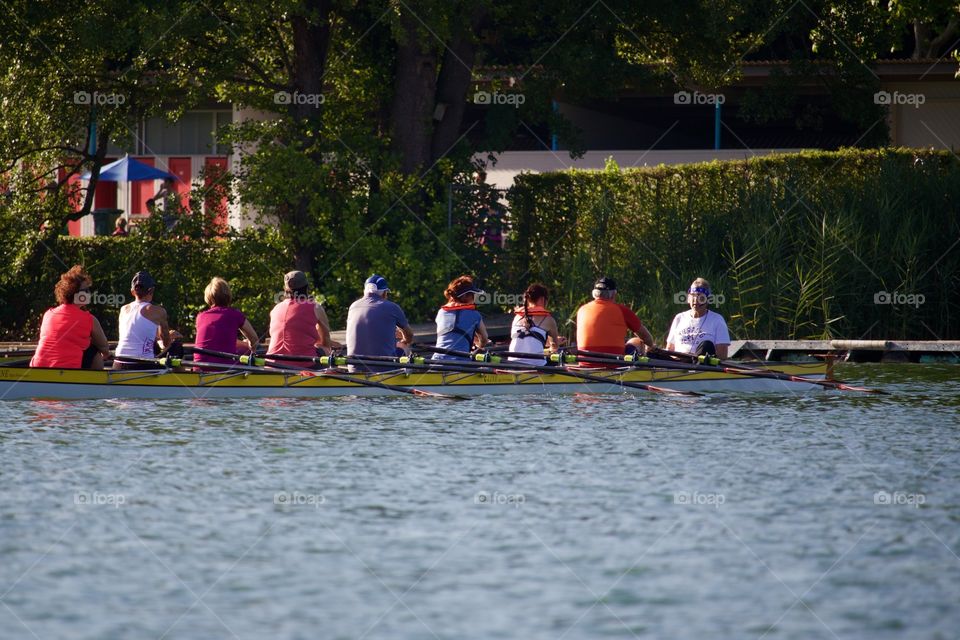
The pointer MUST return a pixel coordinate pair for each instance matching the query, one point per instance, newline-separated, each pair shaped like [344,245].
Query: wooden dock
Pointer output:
[849,350]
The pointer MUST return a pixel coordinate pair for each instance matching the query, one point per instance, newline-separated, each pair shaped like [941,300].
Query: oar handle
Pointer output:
[168,362]
[685,357]
[236,357]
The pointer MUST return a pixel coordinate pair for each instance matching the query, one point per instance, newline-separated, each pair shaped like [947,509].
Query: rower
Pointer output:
[70,336]
[299,324]
[699,331]
[374,324]
[459,325]
[142,323]
[533,329]
[603,324]
[217,326]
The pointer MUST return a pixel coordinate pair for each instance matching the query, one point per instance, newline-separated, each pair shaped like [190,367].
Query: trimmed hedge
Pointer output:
[253,263]
[415,260]
[798,245]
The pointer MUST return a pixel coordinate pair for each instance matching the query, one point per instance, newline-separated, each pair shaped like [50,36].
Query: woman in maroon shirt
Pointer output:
[217,326]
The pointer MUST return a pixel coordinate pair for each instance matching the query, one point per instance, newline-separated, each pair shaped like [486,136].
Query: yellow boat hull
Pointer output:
[20,383]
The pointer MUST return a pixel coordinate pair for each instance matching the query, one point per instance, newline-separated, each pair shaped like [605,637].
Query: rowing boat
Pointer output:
[22,383]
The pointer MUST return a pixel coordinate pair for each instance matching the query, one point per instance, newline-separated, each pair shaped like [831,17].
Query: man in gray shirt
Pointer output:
[374,323]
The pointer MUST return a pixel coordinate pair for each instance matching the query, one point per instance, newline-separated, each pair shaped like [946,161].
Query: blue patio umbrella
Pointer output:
[126,169]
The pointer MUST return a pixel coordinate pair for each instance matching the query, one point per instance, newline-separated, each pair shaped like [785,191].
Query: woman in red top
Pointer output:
[298,324]
[70,337]
[218,325]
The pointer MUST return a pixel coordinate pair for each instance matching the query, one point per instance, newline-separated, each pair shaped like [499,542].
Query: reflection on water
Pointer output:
[537,517]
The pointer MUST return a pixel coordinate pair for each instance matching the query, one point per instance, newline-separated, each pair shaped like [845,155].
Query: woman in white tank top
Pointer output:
[141,324]
[533,327]
[137,333]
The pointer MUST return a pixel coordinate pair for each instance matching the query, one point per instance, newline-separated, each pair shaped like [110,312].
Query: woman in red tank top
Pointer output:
[298,324]
[70,337]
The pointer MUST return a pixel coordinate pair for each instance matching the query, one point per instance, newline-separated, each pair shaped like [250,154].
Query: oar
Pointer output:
[657,352]
[236,357]
[562,371]
[16,363]
[166,362]
[679,356]
[642,361]
[255,361]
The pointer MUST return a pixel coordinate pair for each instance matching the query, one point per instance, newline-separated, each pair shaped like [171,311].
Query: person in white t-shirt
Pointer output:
[699,331]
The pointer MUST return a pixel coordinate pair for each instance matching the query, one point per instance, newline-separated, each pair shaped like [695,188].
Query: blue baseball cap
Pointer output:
[375,283]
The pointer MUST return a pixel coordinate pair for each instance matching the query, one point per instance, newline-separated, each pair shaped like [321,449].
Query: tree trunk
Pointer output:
[311,30]
[303,260]
[454,83]
[411,117]
[919,39]
[103,140]
[942,40]
[311,45]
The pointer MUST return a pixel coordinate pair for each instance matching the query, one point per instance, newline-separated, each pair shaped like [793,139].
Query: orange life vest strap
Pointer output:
[531,311]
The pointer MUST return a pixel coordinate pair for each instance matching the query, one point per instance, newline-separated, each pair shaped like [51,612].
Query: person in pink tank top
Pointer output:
[70,336]
[298,324]
[218,325]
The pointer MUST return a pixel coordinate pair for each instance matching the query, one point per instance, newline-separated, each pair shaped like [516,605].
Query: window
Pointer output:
[193,134]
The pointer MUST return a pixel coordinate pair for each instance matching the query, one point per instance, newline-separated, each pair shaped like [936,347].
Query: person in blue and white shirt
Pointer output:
[699,331]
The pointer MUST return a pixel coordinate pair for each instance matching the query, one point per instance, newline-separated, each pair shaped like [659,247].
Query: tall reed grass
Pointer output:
[808,245]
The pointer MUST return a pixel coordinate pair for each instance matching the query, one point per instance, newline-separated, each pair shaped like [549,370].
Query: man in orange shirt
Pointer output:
[603,325]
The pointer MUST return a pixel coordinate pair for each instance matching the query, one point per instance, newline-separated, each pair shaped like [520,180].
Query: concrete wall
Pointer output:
[512,163]
[241,215]
[928,114]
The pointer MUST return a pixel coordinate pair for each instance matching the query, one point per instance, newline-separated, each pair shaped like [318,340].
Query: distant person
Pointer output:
[142,324]
[219,324]
[374,323]
[534,328]
[699,331]
[604,324]
[459,325]
[165,202]
[70,336]
[492,231]
[298,324]
[120,227]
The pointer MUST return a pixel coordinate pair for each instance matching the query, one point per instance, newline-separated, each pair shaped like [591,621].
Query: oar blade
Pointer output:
[674,392]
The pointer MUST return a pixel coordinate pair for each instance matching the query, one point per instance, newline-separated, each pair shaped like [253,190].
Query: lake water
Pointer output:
[817,516]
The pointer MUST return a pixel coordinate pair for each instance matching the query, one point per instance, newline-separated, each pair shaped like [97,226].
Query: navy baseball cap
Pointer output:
[143,280]
[375,283]
[465,288]
[606,283]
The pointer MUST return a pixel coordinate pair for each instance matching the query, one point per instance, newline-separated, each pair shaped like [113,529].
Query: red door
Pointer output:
[215,203]
[105,197]
[142,190]
[180,167]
